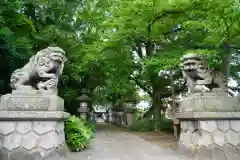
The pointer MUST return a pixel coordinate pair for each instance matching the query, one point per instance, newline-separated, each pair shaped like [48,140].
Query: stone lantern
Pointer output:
[83,103]
[128,104]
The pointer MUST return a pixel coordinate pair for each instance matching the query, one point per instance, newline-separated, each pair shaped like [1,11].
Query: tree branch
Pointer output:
[142,86]
[166,13]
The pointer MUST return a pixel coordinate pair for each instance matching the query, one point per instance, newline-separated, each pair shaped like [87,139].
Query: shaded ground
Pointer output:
[163,139]
[111,143]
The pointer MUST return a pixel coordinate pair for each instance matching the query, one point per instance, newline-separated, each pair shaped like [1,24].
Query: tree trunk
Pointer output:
[157,111]
[226,61]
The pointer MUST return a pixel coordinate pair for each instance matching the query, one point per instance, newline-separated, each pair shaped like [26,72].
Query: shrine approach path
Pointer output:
[112,143]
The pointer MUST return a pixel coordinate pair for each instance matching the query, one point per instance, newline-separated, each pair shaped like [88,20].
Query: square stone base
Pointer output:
[32,140]
[210,139]
[28,102]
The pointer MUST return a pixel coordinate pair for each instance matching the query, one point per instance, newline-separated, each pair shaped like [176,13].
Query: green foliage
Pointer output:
[78,133]
[147,124]
[91,125]
[142,125]
[114,46]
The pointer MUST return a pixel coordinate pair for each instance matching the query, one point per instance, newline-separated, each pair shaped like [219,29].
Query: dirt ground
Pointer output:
[163,139]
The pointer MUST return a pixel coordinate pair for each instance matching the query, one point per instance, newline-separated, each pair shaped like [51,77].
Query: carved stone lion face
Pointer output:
[51,60]
[191,64]
[57,54]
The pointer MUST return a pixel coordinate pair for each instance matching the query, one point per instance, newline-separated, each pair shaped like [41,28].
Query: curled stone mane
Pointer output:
[42,70]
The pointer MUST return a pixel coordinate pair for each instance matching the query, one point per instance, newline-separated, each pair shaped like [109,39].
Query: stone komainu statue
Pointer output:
[199,77]
[41,72]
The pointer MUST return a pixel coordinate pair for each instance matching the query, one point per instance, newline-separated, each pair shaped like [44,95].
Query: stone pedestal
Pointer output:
[121,118]
[117,118]
[32,127]
[110,117]
[83,111]
[210,127]
[113,117]
[129,117]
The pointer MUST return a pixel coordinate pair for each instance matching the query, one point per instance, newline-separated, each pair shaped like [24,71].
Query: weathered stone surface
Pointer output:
[205,139]
[30,140]
[18,154]
[195,137]
[33,115]
[1,140]
[235,125]
[223,125]
[31,77]
[209,102]
[182,148]
[61,138]
[60,132]
[230,149]
[194,68]
[35,155]
[3,154]
[231,152]
[218,115]
[31,102]
[221,143]
[233,137]
[208,126]
[6,127]
[217,154]
[83,109]
[42,127]
[208,115]
[49,140]
[54,155]
[204,154]
[23,127]
[238,148]
[34,103]
[12,141]
[186,138]
[232,156]
[63,150]
[60,127]
[28,135]
[189,125]
[218,138]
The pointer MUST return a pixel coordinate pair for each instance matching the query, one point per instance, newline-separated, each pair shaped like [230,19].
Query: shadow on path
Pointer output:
[112,143]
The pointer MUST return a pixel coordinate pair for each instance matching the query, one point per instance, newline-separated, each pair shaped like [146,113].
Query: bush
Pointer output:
[147,124]
[91,125]
[143,125]
[78,133]
[167,125]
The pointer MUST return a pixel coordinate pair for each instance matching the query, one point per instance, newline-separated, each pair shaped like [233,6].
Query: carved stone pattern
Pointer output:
[28,102]
[210,103]
[198,76]
[46,66]
[212,140]
[26,141]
